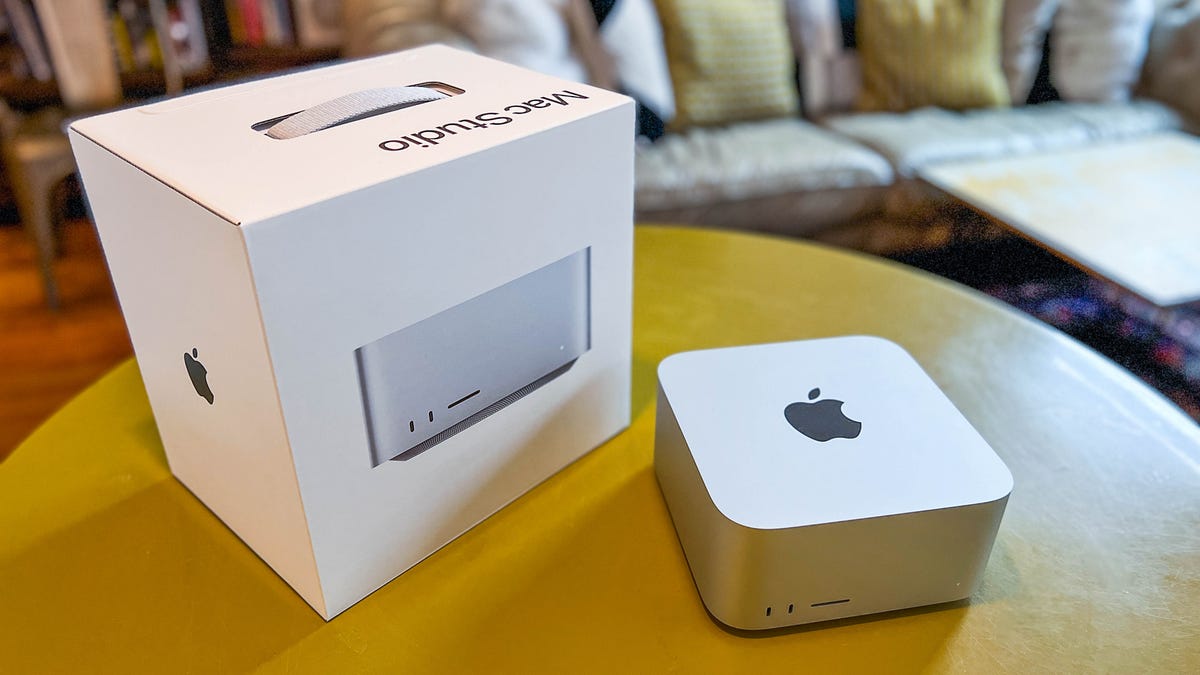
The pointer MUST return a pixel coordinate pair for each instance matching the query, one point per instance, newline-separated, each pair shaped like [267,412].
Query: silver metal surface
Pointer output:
[418,383]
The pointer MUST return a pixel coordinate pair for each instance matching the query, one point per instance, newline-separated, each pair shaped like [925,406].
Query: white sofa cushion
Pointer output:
[1097,48]
[830,74]
[754,159]
[633,36]
[529,33]
[1026,23]
[932,135]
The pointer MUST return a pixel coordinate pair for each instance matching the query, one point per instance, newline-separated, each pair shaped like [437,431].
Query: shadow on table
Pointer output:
[612,582]
[200,600]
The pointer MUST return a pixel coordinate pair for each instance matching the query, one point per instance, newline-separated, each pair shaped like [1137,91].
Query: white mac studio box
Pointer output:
[372,303]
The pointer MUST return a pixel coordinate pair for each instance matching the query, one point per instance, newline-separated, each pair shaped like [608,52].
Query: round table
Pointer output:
[107,563]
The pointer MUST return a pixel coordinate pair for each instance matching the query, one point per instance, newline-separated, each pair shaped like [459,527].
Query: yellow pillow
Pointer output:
[729,60]
[919,53]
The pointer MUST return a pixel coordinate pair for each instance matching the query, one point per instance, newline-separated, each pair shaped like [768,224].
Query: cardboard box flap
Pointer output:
[217,148]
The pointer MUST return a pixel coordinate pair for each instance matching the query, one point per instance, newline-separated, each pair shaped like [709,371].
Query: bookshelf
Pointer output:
[61,58]
[98,53]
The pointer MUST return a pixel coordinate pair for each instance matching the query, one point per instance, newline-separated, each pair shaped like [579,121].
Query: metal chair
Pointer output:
[37,157]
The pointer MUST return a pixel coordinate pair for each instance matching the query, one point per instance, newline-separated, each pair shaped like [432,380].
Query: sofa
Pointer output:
[830,173]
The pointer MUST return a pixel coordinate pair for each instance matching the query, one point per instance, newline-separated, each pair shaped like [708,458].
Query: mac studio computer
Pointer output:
[822,479]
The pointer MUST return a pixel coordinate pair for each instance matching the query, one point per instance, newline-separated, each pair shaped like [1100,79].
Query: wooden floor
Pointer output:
[48,357]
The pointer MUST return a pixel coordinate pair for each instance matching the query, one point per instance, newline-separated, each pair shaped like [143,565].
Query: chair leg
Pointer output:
[34,170]
[37,216]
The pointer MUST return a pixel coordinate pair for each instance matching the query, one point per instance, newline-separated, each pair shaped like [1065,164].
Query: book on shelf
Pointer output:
[134,37]
[253,23]
[261,23]
[146,35]
[77,38]
[23,26]
[277,22]
[87,47]
[187,35]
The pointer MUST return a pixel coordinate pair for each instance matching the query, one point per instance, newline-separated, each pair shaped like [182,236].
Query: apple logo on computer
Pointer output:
[198,374]
[821,420]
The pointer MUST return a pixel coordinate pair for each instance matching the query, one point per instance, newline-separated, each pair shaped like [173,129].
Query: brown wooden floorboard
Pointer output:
[48,357]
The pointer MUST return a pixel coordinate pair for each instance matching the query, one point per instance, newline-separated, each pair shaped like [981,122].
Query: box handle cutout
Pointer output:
[353,107]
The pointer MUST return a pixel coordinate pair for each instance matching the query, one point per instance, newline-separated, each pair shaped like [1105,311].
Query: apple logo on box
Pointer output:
[198,374]
[821,420]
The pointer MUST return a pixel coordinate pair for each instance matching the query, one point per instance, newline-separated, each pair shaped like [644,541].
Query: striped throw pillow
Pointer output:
[918,53]
[729,61]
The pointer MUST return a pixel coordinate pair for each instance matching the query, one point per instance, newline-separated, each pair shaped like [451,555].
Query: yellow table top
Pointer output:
[107,563]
